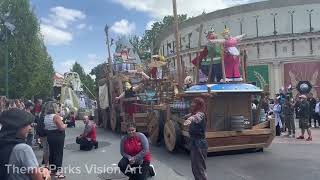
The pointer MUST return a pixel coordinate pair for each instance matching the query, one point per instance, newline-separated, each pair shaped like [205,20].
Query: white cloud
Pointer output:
[62,17]
[92,61]
[149,25]
[81,26]
[123,27]
[65,66]
[54,36]
[161,8]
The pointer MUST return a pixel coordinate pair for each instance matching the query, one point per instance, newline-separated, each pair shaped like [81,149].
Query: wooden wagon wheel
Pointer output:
[113,122]
[153,127]
[172,135]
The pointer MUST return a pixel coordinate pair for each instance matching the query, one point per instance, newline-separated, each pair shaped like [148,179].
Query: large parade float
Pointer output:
[158,102]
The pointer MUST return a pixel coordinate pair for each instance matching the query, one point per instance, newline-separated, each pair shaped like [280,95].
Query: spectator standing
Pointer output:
[277,111]
[304,114]
[317,113]
[312,101]
[55,135]
[29,107]
[288,111]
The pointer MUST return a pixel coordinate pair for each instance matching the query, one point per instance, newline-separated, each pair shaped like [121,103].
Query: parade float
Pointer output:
[68,90]
[160,104]
[231,123]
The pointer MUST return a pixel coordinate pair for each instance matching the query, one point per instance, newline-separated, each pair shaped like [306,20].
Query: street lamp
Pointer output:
[274,23]
[310,19]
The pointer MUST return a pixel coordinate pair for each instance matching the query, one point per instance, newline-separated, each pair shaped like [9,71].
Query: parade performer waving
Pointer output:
[231,55]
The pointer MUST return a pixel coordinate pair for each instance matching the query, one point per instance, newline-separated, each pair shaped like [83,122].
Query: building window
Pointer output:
[285,49]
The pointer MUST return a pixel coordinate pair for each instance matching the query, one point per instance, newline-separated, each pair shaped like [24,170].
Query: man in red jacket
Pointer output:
[135,152]
[88,138]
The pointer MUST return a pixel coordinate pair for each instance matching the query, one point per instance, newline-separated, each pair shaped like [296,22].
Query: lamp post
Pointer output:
[6,63]
[106,30]
[7,27]
[310,19]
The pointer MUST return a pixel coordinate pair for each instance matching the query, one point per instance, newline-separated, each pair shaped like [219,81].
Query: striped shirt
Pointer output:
[49,124]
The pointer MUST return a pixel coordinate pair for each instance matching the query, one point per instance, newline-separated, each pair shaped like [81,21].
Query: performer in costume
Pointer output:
[231,55]
[129,92]
[211,52]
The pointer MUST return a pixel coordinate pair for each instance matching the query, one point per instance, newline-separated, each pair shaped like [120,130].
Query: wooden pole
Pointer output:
[199,46]
[176,34]
[222,63]
[210,71]
[110,74]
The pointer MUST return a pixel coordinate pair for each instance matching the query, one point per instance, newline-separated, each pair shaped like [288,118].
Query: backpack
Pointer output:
[40,126]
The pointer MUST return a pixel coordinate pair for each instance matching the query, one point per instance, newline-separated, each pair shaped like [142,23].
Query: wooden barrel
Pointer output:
[237,123]
[172,135]
[153,127]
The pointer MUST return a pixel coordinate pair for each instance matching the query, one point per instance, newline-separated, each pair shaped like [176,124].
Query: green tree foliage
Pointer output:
[30,66]
[87,81]
[148,40]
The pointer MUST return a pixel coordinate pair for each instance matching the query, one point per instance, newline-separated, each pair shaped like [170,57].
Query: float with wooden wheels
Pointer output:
[230,124]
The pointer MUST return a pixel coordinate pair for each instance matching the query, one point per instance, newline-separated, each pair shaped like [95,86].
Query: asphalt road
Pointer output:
[285,159]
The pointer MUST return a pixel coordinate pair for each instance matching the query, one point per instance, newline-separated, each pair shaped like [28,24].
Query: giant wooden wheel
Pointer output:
[172,135]
[153,127]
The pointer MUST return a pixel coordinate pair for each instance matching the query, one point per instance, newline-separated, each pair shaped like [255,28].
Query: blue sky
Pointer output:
[73,30]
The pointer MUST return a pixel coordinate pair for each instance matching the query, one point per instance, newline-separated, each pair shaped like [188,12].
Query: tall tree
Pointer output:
[30,66]
[86,79]
[147,42]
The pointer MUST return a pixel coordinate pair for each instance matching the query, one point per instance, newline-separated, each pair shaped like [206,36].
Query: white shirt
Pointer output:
[317,110]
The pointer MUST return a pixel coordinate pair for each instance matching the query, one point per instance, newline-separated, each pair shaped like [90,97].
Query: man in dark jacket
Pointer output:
[288,111]
[312,101]
[304,114]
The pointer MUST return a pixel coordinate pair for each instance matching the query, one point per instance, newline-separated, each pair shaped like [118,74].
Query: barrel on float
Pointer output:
[237,123]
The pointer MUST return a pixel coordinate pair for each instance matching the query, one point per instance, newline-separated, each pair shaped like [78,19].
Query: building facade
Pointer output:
[282,40]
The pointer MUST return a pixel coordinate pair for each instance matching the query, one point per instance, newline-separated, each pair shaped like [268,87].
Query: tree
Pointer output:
[86,79]
[30,66]
[147,42]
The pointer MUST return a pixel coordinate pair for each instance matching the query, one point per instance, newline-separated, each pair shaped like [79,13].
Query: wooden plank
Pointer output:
[262,125]
[222,134]
[235,133]
[237,147]
[237,140]
[140,115]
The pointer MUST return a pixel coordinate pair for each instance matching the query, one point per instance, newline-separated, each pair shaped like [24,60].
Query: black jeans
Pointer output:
[56,144]
[85,145]
[140,173]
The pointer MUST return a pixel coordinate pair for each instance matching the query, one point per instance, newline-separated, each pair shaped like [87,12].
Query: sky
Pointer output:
[73,30]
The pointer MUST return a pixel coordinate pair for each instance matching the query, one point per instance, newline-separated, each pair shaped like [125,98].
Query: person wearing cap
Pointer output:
[304,113]
[17,160]
[29,105]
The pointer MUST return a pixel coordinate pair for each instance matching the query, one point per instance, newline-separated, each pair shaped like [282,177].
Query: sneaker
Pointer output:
[309,139]
[300,137]
[152,171]
[96,145]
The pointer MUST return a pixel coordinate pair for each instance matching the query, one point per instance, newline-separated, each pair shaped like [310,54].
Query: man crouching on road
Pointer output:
[88,138]
[17,159]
